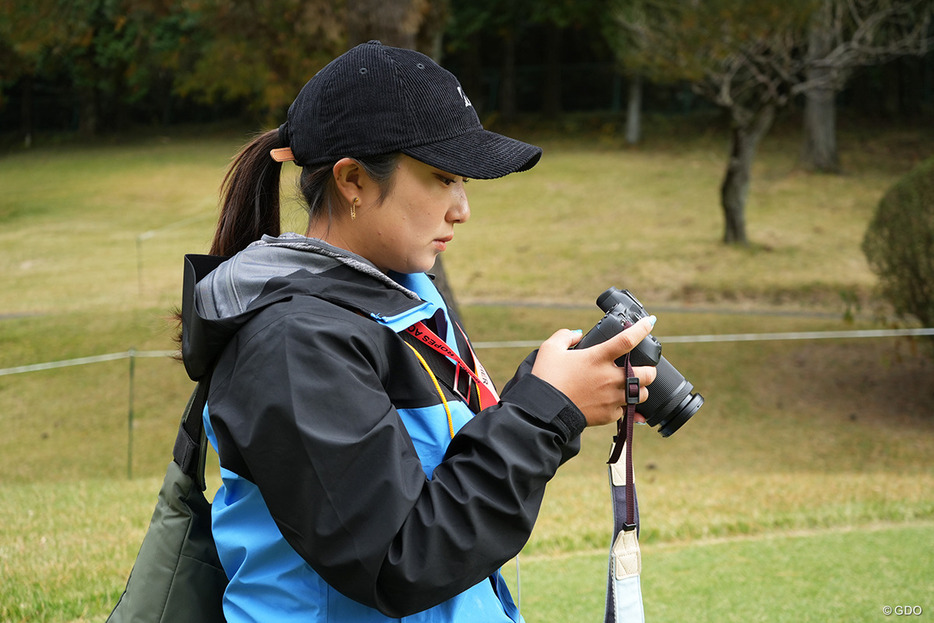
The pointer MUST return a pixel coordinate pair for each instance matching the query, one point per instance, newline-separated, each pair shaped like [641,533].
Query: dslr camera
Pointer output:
[671,402]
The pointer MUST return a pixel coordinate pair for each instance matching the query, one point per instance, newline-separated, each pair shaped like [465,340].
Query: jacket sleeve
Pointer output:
[300,411]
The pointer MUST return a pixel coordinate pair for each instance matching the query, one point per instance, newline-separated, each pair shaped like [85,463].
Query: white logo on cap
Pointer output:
[467,103]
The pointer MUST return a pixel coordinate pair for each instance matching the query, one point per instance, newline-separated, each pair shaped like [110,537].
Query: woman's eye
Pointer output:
[448,181]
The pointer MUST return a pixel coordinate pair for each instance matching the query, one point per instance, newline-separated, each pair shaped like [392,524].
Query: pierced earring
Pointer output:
[353,208]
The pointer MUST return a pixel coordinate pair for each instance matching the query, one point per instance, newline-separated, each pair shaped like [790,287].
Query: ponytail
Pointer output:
[250,192]
[250,197]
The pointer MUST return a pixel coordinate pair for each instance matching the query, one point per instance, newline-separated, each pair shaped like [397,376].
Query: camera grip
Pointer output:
[601,332]
[648,352]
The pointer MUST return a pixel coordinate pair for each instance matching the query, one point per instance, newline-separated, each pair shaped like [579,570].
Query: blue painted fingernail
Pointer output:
[653,319]
[577,331]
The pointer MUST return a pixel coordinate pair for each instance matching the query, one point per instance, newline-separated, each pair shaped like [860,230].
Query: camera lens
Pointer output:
[671,402]
[681,414]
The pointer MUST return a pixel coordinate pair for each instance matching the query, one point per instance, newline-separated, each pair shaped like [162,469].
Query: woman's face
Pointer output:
[415,221]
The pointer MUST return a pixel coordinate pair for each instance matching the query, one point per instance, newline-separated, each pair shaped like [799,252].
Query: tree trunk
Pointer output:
[430,36]
[393,22]
[747,131]
[634,111]
[26,108]
[820,131]
[87,111]
[819,152]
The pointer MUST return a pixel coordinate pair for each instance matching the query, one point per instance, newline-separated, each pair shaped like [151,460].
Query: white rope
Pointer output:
[671,339]
[806,335]
[748,337]
[80,361]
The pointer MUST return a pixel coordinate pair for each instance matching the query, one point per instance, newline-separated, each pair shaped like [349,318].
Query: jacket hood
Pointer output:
[220,295]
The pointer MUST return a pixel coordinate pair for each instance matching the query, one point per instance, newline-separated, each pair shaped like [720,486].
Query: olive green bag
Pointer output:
[177,576]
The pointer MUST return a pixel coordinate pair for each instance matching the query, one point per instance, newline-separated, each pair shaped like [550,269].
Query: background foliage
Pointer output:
[899,244]
[103,65]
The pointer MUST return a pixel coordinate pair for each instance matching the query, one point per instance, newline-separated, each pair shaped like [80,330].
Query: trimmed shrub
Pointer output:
[899,244]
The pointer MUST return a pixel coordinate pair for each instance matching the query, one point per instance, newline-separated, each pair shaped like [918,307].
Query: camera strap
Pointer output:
[624,589]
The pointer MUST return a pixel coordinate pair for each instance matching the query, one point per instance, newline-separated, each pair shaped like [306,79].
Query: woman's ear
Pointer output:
[350,179]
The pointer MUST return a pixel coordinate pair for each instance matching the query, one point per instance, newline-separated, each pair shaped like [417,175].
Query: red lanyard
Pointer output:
[485,390]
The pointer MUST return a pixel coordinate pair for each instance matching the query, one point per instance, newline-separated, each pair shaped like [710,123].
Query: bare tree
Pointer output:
[753,57]
[751,84]
[624,33]
[634,110]
[740,54]
[844,35]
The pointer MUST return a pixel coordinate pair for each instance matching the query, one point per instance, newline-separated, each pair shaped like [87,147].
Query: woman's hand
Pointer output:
[589,377]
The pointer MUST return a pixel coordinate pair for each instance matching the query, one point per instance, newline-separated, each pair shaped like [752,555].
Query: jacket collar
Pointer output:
[220,295]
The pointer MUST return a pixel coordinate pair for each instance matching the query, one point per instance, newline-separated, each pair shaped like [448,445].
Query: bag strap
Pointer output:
[191,444]
[190,451]
[624,594]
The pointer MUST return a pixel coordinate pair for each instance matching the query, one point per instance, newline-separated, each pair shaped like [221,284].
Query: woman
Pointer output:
[370,470]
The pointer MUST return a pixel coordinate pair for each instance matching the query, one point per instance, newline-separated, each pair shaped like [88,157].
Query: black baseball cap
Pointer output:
[376,99]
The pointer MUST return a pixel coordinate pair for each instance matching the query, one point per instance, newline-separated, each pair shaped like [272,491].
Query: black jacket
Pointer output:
[310,384]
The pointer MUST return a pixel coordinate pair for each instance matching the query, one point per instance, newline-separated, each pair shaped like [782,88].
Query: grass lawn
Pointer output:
[818,576]
[802,491]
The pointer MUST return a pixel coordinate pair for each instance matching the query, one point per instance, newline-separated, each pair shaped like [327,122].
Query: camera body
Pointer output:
[671,402]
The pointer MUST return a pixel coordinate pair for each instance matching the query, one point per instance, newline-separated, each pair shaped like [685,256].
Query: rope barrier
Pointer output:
[671,339]
[133,354]
[80,361]
[805,335]
[748,337]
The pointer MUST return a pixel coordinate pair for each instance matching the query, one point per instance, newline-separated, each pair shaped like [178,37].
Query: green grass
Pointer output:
[802,491]
[589,216]
[818,576]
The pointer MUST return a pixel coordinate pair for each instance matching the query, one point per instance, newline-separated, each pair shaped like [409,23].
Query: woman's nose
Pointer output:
[460,211]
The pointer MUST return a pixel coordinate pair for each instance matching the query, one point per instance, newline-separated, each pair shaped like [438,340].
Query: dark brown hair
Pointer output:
[250,192]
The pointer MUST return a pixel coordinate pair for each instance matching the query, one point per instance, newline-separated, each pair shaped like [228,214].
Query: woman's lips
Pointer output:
[442,243]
